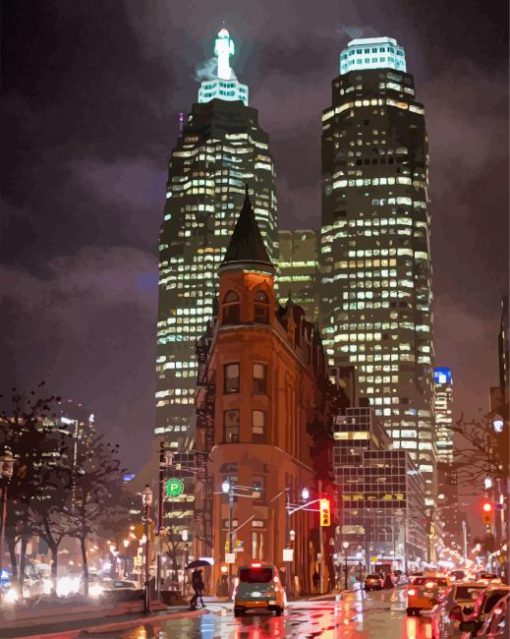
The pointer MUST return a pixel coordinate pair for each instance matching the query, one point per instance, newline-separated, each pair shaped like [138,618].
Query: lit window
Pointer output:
[259,425]
[231,378]
[259,379]
[231,308]
[261,315]
[231,426]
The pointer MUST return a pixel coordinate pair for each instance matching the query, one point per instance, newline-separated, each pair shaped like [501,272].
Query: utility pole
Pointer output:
[147,502]
[165,460]
[321,548]
[464,539]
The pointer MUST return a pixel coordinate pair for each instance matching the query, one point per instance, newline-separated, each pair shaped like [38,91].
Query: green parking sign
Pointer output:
[174,487]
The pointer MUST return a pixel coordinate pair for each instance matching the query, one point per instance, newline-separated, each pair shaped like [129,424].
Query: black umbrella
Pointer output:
[198,563]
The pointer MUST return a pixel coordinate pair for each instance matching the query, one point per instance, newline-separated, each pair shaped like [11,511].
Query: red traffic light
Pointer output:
[487,507]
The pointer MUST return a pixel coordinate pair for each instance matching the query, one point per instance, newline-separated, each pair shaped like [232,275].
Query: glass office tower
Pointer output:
[221,149]
[443,404]
[298,268]
[375,243]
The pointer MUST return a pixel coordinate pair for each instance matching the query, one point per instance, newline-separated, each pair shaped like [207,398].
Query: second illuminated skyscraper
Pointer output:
[375,243]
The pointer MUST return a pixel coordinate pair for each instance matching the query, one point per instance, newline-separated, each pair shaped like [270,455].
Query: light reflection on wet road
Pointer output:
[380,615]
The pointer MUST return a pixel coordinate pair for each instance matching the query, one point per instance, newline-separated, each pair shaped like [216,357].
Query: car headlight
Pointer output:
[11,596]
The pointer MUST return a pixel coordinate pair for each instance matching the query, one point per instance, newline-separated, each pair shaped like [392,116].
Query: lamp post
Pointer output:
[292,537]
[228,489]
[6,471]
[147,502]
[345,545]
[185,537]
[125,543]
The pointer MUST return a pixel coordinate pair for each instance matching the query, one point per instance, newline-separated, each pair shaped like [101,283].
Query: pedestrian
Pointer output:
[316,578]
[197,583]
[201,588]
[195,579]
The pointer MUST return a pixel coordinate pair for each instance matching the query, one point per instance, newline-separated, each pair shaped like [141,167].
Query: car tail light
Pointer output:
[411,591]
[456,613]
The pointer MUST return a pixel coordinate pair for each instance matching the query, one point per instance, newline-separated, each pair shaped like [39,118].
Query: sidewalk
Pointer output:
[75,628]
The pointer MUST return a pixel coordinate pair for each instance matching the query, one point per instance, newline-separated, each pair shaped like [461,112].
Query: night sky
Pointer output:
[91,95]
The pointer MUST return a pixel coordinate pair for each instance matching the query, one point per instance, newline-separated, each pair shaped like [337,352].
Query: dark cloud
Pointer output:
[91,96]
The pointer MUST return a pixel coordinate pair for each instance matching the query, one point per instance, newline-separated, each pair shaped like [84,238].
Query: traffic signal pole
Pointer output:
[161,482]
[321,548]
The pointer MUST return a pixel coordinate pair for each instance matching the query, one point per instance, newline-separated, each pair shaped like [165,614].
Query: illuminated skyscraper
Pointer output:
[443,405]
[221,149]
[299,270]
[375,243]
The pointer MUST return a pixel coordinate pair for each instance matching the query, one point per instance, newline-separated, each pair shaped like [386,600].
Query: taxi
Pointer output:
[424,593]
[258,586]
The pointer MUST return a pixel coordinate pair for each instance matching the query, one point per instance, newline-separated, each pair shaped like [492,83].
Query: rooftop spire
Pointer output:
[221,81]
[246,246]
[223,49]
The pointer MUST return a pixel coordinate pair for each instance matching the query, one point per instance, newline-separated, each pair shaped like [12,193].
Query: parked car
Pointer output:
[454,607]
[485,602]
[458,575]
[121,584]
[424,593]
[258,586]
[488,577]
[496,626]
[374,582]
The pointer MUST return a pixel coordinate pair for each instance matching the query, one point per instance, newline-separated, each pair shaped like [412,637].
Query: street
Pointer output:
[379,615]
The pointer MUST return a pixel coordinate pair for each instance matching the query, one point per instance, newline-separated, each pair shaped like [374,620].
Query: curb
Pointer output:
[113,626]
[120,625]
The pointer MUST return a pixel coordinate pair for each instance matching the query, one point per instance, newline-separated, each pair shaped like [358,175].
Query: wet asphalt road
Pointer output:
[377,615]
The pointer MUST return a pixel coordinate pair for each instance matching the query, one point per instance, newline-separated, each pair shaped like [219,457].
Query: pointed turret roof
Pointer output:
[246,246]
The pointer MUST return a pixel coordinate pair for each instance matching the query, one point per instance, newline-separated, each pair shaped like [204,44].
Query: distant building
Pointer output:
[263,404]
[298,270]
[504,349]
[381,492]
[375,243]
[220,149]
[443,405]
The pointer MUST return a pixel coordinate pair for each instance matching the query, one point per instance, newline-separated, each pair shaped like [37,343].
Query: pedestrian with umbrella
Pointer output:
[197,583]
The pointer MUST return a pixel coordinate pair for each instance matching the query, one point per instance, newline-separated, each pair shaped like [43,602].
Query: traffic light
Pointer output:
[325,512]
[487,513]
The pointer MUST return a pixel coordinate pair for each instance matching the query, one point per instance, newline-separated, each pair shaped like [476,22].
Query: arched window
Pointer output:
[231,308]
[261,308]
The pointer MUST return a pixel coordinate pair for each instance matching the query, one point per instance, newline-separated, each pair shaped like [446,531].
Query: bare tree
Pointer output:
[95,487]
[481,450]
[24,429]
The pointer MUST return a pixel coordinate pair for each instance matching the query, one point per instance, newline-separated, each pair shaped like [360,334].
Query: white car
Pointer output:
[122,584]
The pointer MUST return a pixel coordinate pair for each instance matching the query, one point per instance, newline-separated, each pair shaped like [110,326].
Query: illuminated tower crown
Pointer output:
[224,85]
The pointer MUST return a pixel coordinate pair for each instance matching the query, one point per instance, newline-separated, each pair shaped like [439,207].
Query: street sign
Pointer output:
[174,487]
[239,545]
[373,560]
[288,554]
[230,558]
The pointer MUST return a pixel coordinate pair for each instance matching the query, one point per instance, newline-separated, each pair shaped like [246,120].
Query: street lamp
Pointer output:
[125,543]
[305,494]
[498,423]
[147,502]
[185,537]
[345,545]
[228,489]
[6,471]
[487,483]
